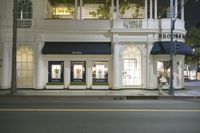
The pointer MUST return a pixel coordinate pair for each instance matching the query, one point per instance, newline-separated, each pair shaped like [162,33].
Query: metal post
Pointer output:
[14,78]
[171,88]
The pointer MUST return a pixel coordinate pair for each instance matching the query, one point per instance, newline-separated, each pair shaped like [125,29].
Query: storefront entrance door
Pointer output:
[131,67]
[128,77]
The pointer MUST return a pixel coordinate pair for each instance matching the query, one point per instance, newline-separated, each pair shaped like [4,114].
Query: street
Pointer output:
[138,116]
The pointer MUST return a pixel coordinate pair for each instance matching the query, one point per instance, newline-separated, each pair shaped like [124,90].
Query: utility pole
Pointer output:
[13,89]
[171,88]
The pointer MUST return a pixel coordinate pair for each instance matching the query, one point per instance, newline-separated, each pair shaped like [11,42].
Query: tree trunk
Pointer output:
[13,89]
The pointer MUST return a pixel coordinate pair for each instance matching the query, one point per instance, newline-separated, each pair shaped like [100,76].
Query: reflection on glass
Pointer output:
[179,72]
[100,72]
[24,67]
[163,70]
[56,71]
[78,71]
[163,8]
[131,74]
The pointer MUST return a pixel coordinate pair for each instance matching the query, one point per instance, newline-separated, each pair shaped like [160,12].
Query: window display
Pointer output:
[163,69]
[56,71]
[100,72]
[78,71]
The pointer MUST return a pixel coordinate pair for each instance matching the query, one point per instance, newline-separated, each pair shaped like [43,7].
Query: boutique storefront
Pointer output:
[161,53]
[78,65]
[84,44]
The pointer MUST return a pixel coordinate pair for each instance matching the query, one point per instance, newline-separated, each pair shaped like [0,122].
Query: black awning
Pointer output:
[164,48]
[77,48]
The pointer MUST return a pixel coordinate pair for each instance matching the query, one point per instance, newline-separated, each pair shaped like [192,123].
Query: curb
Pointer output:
[162,97]
[59,98]
[78,98]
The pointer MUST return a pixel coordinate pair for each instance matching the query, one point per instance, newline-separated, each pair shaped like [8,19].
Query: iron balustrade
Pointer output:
[132,23]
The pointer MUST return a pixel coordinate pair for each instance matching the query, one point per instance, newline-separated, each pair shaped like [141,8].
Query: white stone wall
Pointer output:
[80,31]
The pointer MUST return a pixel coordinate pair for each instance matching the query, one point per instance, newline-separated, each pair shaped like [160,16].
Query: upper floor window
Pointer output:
[24,9]
[94,9]
[61,9]
[131,8]
[99,9]
[24,14]
[163,8]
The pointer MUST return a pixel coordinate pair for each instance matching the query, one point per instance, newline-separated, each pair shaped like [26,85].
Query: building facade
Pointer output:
[92,44]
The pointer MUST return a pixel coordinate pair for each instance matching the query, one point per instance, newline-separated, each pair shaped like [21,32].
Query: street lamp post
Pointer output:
[171,88]
[173,20]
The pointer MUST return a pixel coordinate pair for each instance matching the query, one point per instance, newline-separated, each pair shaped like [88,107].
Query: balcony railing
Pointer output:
[24,23]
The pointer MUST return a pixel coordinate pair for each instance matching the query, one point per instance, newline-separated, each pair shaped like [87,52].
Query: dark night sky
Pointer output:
[192,13]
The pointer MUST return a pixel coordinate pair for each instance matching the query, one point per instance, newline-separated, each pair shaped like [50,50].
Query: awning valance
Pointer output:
[77,48]
[164,48]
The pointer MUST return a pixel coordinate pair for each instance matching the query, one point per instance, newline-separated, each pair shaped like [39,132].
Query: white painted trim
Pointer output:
[100,87]
[54,86]
[77,87]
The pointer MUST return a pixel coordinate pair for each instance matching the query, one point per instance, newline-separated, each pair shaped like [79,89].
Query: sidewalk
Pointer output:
[192,89]
[84,92]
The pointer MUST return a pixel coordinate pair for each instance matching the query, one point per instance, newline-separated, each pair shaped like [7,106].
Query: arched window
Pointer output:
[24,9]
[131,59]
[24,67]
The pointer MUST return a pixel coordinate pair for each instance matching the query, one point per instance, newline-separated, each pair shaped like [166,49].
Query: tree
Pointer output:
[194,37]
[103,10]
[13,89]
[193,40]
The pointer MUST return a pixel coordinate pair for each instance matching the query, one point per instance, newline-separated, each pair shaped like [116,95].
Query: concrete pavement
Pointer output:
[192,89]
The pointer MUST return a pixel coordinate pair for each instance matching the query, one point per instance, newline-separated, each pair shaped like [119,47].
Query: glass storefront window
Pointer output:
[163,72]
[60,9]
[163,8]
[24,9]
[24,67]
[131,74]
[100,72]
[56,70]
[179,72]
[78,71]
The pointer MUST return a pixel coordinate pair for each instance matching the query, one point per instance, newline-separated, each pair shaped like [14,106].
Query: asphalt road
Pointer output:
[138,116]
